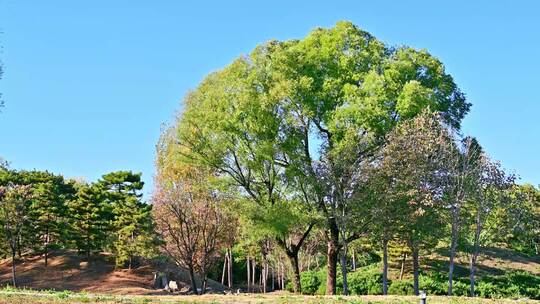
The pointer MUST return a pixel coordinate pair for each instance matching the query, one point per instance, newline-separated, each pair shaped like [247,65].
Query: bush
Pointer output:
[368,281]
[510,285]
[460,288]
[365,281]
[289,286]
[402,288]
[321,291]
[487,290]
[310,282]
[433,285]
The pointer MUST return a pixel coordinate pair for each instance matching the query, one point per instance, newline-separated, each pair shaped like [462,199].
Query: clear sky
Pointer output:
[88,84]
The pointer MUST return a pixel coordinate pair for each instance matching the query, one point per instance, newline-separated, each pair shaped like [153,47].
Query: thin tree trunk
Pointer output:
[402,270]
[261,279]
[476,250]
[88,245]
[230,269]
[385,267]
[415,269]
[46,246]
[273,278]
[192,280]
[453,246]
[282,275]
[204,282]
[265,276]
[19,246]
[353,260]
[472,273]
[279,273]
[225,259]
[253,270]
[248,266]
[13,274]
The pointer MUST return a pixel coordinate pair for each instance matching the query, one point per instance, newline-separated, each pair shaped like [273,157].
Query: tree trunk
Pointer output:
[264,275]
[248,266]
[88,245]
[46,255]
[260,279]
[293,258]
[279,274]
[192,280]
[230,269]
[476,250]
[402,270]
[204,282]
[472,273]
[46,247]
[415,269]
[273,278]
[453,246]
[253,270]
[385,267]
[224,268]
[344,272]
[282,275]
[19,247]
[353,260]
[332,257]
[13,275]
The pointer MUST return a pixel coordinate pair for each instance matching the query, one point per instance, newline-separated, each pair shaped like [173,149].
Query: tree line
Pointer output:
[41,211]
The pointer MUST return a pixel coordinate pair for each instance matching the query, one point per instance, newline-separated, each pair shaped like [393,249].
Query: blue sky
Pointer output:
[88,84]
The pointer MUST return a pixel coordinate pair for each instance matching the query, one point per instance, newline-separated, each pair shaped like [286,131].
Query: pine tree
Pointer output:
[133,231]
[89,219]
[133,228]
[48,211]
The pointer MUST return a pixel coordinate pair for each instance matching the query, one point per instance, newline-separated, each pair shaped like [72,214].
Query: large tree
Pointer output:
[271,120]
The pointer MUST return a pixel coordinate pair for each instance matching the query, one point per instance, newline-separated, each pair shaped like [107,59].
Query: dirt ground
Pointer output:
[69,271]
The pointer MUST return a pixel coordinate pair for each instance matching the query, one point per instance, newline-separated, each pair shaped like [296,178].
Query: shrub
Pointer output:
[403,288]
[289,286]
[365,281]
[510,285]
[433,285]
[460,288]
[310,282]
[321,291]
[486,289]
